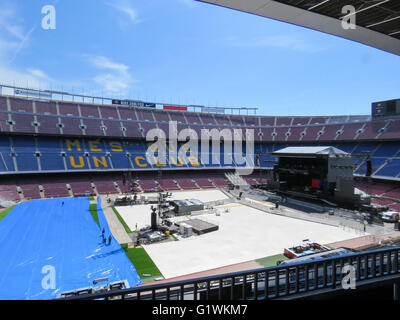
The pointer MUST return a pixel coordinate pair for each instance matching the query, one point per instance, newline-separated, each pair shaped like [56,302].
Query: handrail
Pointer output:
[103,99]
[302,271]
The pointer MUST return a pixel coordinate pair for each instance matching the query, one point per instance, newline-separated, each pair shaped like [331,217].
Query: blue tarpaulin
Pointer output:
[54,245]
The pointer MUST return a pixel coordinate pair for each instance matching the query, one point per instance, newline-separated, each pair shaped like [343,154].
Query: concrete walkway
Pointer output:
[115,225]
[238,267]
[367,241]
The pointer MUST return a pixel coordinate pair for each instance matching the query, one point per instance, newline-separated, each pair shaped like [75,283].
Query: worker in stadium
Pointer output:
[109,239]
[103,237]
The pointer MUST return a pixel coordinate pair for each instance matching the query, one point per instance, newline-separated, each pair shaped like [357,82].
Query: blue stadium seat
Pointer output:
[6,162]
[76,154]
[387,150]
[391,169]
[25,153]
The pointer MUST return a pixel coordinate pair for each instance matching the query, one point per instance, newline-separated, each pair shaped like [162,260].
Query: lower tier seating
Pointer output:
[28,154]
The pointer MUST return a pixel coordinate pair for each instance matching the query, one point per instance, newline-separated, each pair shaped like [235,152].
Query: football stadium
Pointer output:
[104,197]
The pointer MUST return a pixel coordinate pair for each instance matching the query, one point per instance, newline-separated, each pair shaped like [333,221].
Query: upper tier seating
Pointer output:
[82,119]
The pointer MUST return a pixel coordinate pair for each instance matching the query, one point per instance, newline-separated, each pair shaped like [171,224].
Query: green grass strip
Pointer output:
[174,237]
[5,212]
[90,198]
[126,227]
[143,263]
[271,261]
[93,212]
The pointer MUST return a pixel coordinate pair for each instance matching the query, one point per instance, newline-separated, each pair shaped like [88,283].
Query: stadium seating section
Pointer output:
[42,140]
[28,154]
[66,118]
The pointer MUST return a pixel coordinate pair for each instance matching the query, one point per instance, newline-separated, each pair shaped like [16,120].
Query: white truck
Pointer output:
[390,216]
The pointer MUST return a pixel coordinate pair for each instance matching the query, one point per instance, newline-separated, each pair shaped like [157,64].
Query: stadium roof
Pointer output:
[319,150]
[378,21]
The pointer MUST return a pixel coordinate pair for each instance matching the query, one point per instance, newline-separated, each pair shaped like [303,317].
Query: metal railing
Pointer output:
[285,281]
[61,95]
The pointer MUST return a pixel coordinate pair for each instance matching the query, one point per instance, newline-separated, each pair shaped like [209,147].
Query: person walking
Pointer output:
[103,237]
[109,239]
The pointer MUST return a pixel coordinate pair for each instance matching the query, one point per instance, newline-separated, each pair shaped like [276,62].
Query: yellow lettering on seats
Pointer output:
[157,164]
[75,143]
[193,161]
[93,145]
[116,146]
[103,161]
[142,165]
[81,162]
[174,162]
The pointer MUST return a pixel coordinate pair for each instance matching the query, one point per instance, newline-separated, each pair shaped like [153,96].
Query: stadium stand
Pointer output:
[90,120]
[47,139]
[49,154]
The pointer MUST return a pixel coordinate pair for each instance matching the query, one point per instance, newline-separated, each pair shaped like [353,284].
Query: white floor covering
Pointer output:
[244,234]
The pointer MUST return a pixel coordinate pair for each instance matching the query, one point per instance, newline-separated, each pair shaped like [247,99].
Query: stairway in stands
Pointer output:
[236,180]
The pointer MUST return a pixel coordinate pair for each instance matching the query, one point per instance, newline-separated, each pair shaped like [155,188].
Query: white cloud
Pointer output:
[111,78]
[5,14]
[112,83]
[12,33]
[102,62]
[38,73]
[22,44]
[22,78]
[13,38]
[15,30]
[7,47]
[124,7]
[116,80]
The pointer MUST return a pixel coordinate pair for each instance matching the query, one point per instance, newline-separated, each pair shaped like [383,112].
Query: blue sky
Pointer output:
[182,51]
